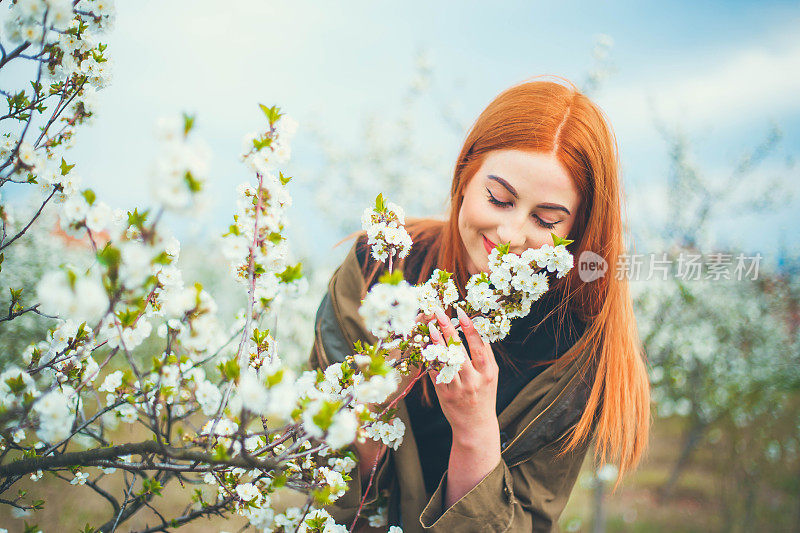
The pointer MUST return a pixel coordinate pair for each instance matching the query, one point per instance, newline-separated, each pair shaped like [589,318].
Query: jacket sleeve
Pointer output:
[528,496]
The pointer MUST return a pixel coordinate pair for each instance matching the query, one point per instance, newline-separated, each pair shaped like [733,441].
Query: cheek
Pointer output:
[473,215]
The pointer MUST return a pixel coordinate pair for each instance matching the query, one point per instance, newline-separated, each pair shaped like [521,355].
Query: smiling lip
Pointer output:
[489,245]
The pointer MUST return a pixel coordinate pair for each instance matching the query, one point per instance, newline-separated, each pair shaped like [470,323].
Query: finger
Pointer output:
[467,373]
[478,348]
[424,319]
[435,335]
[448,330]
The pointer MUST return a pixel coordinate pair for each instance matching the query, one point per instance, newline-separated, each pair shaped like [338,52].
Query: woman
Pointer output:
[500,448]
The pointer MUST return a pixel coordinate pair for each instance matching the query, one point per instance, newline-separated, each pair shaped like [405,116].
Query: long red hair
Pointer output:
[546,116]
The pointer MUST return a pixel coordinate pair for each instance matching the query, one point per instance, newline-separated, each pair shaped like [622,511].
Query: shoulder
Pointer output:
[361,250]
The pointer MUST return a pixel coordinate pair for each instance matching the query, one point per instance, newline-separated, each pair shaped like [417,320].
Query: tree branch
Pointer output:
[25,466]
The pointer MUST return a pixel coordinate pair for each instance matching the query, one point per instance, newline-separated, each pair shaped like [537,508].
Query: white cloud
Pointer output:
[756,82]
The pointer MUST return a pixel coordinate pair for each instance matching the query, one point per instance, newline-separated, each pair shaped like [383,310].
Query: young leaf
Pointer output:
[188,123]
[380,205]
[65,168]
[392,279]
[89,195]
[557,241]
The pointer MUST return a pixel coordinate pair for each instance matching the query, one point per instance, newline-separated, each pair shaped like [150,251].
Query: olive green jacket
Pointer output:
[526,491]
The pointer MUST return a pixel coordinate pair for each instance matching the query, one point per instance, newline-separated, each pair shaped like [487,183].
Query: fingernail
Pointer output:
[462,316]
[440,314]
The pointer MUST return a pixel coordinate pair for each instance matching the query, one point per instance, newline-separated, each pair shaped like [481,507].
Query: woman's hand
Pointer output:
[469,404]
[469,401]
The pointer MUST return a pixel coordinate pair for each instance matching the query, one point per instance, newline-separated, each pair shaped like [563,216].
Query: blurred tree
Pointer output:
[722,344]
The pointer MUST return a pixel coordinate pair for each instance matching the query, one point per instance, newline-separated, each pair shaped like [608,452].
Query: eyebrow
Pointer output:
[513,191]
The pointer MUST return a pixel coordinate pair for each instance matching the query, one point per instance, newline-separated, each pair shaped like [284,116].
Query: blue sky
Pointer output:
[721,70]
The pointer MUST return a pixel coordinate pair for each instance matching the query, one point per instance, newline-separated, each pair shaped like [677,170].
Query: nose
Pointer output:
[512,233]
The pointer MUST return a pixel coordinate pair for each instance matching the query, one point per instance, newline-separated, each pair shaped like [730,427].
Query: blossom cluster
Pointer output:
[181,170]
[27,22]
[390,307]
[513,284]
[254,245]
[438,291]
[450,357]
[386,234]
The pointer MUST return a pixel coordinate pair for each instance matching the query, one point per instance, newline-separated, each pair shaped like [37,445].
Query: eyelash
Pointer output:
[539,221]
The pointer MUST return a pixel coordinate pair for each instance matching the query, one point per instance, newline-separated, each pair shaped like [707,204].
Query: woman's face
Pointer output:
[516,198]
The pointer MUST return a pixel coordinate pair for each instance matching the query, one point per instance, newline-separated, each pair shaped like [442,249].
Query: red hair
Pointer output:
[545,116]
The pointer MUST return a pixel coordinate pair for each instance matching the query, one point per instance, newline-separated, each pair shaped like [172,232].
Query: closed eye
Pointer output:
[495,201]
[539,221]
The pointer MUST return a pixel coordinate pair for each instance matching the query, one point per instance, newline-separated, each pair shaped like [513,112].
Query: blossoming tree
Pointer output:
[218,407]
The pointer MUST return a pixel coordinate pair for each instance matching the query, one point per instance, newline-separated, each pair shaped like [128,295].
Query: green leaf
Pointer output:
[272,113]
[137,219]
[380,205]
[453,340]
[262,142]
[65,168]
[279,480]
[89,195]
[72,278]
[109,256]
[324,417]
[233,229]
[16,385]
[291,273]
[16,295]
[127,317]
[444,276]
[259,337]
[322,497]
[151,486]
[229,369]
[188,123]
[192,183]
[220,453]
[557,241]
[162,259]
[274,379]
[393,278]
[284,180]
[503,248]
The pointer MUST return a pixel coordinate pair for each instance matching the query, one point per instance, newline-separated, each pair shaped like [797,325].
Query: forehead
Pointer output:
[537,176]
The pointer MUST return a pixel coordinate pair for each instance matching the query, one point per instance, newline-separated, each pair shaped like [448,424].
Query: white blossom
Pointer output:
[79,479]
[389,308]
